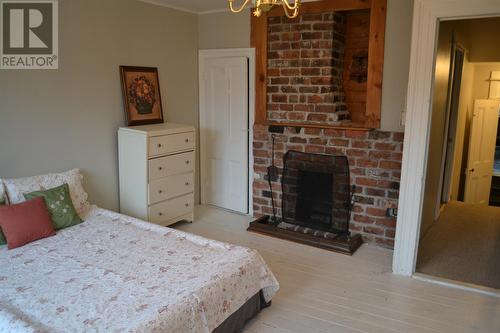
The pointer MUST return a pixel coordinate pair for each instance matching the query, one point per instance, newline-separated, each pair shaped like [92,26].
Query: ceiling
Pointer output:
[199,6]
[193,6]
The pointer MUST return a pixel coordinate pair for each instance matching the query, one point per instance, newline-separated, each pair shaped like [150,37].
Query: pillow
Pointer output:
[58,202]
[25,222]
[17,187]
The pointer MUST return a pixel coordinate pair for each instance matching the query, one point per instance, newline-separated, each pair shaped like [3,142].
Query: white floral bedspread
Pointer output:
[114,273]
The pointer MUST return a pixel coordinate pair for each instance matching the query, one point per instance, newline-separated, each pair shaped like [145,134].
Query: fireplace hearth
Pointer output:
[316,203]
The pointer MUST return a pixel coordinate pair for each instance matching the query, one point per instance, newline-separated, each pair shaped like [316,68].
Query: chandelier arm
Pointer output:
[293,7]
[294,13]
[238,10]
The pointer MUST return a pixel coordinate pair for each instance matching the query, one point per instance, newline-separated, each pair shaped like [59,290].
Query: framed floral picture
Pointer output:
[141,95]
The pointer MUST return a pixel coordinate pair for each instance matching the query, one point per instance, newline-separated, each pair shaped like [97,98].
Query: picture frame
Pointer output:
[141,95]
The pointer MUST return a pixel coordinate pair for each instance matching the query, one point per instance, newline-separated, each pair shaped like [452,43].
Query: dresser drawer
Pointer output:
[171,165]
[169,187]
[160,145]
[171,209]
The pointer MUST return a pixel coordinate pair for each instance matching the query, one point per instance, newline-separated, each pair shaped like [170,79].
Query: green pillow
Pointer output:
[61,209]
[2,237]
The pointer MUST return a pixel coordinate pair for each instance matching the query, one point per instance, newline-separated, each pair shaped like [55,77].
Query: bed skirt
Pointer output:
[236,322]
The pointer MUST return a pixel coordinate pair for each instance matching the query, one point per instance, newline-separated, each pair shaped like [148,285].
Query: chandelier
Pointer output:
[291,10]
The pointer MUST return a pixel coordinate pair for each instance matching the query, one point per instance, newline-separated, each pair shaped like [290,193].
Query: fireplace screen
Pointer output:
[316,191]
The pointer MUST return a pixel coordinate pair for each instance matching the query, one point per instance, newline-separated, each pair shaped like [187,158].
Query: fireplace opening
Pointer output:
[314,200]
[316,192]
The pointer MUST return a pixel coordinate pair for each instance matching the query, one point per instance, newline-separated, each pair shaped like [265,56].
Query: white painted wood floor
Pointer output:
[322,291]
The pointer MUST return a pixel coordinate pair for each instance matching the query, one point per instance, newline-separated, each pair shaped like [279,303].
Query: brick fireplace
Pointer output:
[375,167]
[318,79]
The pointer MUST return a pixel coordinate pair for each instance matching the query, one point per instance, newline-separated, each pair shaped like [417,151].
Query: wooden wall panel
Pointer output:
[375,63]
[258,40]
[356,48]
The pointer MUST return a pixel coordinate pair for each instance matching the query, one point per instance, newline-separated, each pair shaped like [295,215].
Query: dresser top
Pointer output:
[158,129]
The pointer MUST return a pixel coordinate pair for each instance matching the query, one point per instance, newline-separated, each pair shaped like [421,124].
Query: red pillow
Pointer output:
[25,222]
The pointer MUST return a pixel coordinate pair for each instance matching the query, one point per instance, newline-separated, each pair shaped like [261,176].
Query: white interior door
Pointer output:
[480,161]
[224,133]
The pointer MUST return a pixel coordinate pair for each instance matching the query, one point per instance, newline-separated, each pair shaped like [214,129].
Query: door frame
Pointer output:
[426,15]
[447,158]
[249,53]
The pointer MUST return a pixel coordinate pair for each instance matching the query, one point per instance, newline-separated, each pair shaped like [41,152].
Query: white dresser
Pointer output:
[157,175]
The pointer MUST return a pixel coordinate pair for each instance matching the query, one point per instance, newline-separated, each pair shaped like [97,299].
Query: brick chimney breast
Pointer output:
[306,69]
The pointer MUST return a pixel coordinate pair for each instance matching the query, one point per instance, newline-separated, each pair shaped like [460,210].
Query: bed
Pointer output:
[114,273]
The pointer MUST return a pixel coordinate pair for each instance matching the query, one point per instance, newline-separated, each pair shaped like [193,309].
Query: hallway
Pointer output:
[463,245]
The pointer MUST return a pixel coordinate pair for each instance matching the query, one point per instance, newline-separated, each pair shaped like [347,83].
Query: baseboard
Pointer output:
[457,285]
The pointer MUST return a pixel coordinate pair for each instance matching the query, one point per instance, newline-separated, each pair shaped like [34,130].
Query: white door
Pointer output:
[481,157]
[224,132]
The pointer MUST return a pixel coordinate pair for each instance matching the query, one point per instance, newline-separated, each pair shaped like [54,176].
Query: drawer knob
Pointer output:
[187,183]
[186,204]
[160,168]
[187,162]
[160,191]
[160,213]
[159,145]
[187,140]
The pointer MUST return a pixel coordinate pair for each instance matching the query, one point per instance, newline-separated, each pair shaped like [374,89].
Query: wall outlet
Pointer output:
[392,212]
[402,120]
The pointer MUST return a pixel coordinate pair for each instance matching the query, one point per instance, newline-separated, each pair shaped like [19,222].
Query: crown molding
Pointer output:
[215,11]
[163,4]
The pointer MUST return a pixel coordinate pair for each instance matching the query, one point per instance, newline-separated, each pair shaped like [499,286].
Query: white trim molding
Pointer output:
[163,4]
[426,15]
[249,53]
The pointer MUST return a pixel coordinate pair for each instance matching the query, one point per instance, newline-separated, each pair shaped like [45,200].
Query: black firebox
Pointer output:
[316,191]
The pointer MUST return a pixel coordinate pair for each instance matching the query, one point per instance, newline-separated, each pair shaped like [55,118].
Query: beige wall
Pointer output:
[481,77]
[224,30]
[59,119]
[227,30]
[396,63]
